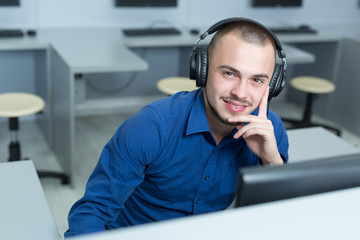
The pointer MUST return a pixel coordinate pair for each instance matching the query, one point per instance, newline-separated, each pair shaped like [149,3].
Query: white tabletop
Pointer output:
[93,50]
[325,33]
[24,212]
[332,215]
[96,50]
[106,49]
[316,143]
[23,43]
[294,55]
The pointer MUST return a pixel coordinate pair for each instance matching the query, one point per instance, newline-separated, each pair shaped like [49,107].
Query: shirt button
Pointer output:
[207,178]
[198,201]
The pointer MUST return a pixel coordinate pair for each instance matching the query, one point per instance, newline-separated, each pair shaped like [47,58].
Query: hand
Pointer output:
[259,133]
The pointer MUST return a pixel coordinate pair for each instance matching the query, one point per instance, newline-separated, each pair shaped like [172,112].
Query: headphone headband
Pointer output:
[215,27]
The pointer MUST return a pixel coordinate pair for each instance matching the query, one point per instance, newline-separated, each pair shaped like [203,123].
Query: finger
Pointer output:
[259,131]
[252,128]
[239,132]
[263,103]
[245,119]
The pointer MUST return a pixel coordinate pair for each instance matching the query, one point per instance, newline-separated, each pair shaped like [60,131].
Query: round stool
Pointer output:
[172,85]
[13,106]
[312,86]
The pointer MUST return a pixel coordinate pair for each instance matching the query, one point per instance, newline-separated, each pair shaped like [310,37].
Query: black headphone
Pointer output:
[199,58]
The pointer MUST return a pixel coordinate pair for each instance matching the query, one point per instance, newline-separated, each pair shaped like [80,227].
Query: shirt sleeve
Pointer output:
[118,172]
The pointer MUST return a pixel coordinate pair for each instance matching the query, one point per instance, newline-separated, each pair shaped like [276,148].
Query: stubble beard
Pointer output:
[217,114]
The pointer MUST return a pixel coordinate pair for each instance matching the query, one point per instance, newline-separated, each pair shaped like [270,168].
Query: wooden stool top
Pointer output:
[172,85]
[20,104]
[312,84]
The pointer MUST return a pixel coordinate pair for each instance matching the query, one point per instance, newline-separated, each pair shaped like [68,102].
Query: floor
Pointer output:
[92,133]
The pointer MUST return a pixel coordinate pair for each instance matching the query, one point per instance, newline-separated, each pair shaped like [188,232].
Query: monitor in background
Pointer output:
[9,3]
[5,33]
[276,3]
[145,3]
[270,183]
[152,30]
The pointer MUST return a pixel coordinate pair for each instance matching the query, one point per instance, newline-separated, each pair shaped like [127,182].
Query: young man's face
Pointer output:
[238,75]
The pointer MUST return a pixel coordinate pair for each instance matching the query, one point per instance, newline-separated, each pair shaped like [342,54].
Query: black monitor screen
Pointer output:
[5,3]
[145,3]
[276,3]
[270,183]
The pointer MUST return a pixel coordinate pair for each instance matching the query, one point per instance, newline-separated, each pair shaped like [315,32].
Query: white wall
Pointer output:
[189,13]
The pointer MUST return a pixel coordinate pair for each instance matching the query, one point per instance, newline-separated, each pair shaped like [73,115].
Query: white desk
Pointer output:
[80,51]
[328,216]
[316,143]
[24,212]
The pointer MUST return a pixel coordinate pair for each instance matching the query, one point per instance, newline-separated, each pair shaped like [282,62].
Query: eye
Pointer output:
[229,74]
[258,80]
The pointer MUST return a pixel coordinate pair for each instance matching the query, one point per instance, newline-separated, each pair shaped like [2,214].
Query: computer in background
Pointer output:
[149,5]
[9,3]
[284,4]
[10,32]
[138,32]
[271,183]
[146,3]
[276,3]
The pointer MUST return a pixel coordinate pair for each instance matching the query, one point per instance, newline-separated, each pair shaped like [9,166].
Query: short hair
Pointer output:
[248,31]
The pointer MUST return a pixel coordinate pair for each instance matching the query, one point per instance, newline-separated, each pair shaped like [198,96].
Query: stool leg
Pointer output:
[308,108]
[14,146]
[15,152]
[65,179]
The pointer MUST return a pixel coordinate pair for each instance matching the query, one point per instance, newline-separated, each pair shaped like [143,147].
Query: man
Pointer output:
[180,156]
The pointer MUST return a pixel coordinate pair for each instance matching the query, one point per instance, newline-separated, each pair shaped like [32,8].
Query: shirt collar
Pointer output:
[198,121]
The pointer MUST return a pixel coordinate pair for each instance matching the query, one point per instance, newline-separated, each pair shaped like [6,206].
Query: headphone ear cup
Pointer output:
[277,81]
[193,64]
[198,66]
[202,67]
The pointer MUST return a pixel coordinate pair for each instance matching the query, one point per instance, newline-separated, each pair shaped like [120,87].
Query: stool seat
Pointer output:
[314,85]
[20,104]
[172,85]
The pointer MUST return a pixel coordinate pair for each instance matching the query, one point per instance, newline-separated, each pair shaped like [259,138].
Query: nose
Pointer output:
[239,89]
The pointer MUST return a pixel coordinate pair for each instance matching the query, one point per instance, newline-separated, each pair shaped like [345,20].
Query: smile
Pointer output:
[237,103]
[234,106]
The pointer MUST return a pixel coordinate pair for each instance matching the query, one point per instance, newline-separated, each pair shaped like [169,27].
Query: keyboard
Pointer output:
[11,33]
[132,32]
[293,30]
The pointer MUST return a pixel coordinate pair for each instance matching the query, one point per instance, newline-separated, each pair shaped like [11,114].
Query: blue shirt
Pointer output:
[164,163]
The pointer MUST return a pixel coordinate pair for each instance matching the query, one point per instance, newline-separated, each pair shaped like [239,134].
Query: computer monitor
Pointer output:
[145,3]
[276,3]
[9,3]
[270,183]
